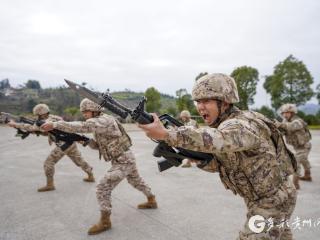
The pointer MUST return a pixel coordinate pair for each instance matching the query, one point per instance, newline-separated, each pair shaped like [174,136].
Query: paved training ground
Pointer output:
[193,204]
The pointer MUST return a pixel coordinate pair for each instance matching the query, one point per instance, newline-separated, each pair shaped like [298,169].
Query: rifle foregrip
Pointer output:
[164,164]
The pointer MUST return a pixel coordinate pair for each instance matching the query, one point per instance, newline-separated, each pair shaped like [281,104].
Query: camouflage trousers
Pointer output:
[302,157]
[72,152]
[271,216]
[123,167]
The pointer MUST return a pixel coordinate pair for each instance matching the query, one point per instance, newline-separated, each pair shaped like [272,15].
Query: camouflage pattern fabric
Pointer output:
[191,123]
[298,136]
[276,211]
[56,154]
[113,144]
[88,105]
[247,161]
[216,86]
[110,137]
[296,132]
[288,107]
[33,128]
[41,109]
[123,167]
[72,152]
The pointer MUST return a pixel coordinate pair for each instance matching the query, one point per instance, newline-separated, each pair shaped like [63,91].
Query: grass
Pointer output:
[314,127]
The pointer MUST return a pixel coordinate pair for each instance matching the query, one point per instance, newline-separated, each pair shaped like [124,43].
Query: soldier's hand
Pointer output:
[155,130]
[212,166]
[277,123]
[48,126]
[12,123]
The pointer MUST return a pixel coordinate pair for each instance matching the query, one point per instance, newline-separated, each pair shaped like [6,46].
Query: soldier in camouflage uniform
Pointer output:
[249,153]
[113,144]
[185,117]
[43,113]
[298,135]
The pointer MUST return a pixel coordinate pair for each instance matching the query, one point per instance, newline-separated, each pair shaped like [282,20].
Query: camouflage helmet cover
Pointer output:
[88,105]
[288,107]
[216,86]
[41,109]
[185,113]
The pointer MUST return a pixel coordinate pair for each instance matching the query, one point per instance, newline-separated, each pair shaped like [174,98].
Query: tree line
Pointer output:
[290,82]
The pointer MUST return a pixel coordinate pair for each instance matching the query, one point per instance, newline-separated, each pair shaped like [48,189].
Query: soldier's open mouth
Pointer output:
[205,116]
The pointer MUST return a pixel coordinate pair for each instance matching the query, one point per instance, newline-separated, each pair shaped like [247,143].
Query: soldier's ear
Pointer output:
[225,106]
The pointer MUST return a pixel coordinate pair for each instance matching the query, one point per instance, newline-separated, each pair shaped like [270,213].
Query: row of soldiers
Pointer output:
[250,155]
[113,144]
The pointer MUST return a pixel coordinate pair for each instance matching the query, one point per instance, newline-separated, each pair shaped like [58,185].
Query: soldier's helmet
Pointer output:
[185,113]
[41,109]
[87,105]
[216,86]
[288,107]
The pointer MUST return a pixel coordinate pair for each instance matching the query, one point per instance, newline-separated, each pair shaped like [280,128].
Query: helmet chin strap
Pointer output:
[221,115]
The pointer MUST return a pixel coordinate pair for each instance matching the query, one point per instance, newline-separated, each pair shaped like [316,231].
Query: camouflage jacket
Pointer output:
[110,137]
[191,123]
[35,128]
[246,156]
[296,132]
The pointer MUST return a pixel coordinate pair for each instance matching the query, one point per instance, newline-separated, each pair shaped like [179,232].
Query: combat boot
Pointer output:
[307,176]
[150,204]
[103,225]
[296,182]
[49,187]
[90,178]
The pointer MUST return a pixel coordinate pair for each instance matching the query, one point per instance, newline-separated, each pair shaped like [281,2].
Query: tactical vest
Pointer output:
[252,174]
[299,137]
[113,147]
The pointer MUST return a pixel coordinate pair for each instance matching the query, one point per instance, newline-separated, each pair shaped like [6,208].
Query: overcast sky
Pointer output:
[164,44]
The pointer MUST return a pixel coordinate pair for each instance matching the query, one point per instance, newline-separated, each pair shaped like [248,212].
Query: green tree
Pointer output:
[268,112]
[184,100]
[33,84]
[72,111]
[318,93]
[172,111]
[153,100]
[290,83]
[246,79]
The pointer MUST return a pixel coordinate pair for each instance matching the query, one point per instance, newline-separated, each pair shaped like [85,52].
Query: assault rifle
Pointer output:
[63,139]
[171,156]
[20,133]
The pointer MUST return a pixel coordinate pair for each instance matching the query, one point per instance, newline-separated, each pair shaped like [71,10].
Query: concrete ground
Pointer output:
[193,204]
